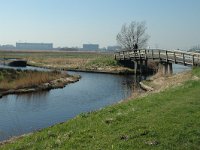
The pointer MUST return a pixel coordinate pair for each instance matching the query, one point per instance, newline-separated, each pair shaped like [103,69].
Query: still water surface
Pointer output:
[25,113]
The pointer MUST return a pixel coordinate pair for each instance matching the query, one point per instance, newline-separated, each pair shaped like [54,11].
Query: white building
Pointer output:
[34,46]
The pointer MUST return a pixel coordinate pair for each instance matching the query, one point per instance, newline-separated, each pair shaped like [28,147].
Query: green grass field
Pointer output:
[166,120]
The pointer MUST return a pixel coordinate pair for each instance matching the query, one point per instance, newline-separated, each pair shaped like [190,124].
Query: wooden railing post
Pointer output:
[152,54]
[166,56]
[183,58]
[123,55]
[139,54]
[174,57]
[145,52]
[193,59]
[159,54]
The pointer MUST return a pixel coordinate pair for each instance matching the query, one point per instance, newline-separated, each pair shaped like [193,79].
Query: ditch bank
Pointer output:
[121,70]
[13,75]
[159,82]
[55,84]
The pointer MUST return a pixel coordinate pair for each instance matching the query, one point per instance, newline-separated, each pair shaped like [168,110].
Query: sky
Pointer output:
[171,24]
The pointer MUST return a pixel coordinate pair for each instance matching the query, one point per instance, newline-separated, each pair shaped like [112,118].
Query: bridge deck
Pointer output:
[168,56]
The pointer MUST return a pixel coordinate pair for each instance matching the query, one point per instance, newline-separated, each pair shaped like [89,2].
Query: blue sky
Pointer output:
[170,23]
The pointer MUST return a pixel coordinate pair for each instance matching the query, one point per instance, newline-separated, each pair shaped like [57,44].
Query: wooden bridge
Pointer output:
[165,57]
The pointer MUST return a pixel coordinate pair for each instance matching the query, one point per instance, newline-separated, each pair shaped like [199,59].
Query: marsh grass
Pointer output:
[102,62]
[67,60]
[14,79]
[79,61]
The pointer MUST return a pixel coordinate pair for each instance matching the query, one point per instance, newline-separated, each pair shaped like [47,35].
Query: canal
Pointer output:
[20,114]
[25,113]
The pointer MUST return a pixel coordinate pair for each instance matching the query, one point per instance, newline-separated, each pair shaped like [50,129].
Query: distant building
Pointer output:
[91,47]
[195,49]
[34,46]
[7,47]
[113,48]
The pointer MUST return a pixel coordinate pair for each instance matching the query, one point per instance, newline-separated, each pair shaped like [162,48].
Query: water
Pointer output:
[23,68]
[28,112]
[180,68]
[25,113]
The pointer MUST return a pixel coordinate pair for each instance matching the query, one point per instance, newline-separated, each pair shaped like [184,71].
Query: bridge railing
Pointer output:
[174,56]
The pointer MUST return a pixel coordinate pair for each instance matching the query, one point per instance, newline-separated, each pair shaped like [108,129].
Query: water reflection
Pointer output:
[33,96]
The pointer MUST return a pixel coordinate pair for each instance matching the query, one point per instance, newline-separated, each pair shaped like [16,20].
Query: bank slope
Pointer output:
[165,120]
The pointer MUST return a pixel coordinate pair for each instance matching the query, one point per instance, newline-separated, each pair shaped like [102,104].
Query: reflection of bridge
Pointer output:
[165,58]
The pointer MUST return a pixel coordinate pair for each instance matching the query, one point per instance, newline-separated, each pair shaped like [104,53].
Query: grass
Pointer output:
[14,79]
[81,61]
[165,120]
[69,60]
[196,72]
[103,62]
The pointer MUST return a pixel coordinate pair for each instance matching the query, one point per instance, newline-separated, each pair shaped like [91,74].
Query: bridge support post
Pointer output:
[166,68]
[145,66]
[135,66]
[141,65]
[169,69]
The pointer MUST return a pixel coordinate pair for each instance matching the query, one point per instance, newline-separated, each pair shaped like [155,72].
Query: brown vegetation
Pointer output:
[15,79]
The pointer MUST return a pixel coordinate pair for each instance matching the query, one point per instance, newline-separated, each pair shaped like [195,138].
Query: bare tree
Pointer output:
[133,34]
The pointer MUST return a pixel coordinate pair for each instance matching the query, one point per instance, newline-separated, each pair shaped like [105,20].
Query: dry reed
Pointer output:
[29,79]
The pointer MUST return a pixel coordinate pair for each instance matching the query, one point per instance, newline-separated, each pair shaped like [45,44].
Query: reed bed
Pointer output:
[20,79]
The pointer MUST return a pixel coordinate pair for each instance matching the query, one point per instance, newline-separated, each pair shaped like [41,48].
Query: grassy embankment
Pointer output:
[19,79]
[165,120]
[86,61]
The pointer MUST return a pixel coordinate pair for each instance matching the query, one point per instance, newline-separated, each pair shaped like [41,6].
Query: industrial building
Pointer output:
[90,47]
[113,48]
[34,46]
